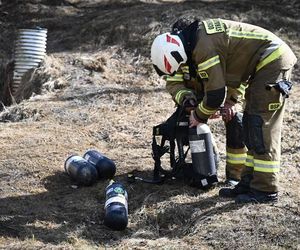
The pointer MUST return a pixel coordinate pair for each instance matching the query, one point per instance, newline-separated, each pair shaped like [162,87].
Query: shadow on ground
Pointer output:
[62,211]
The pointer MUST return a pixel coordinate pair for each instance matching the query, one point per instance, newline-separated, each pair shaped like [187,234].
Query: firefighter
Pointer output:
[223,54]
[231,111]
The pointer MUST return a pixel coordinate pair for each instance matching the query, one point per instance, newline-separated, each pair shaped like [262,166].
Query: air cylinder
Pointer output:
[116,208]
[80,170]
[106,167]
[200,140]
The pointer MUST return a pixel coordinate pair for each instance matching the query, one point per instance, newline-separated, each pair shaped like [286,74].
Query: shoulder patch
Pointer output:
[213,26]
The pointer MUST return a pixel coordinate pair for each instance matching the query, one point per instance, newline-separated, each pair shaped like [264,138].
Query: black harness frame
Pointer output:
[174,141]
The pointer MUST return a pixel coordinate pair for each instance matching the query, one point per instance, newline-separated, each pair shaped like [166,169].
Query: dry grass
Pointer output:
[108,99]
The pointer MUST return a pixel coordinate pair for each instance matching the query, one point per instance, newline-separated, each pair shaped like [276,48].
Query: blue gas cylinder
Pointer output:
[106,167]
[80,170]
[116,208]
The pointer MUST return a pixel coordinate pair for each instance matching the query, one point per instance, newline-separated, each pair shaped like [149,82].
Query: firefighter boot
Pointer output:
[255,196]
[241,188]
[233,192]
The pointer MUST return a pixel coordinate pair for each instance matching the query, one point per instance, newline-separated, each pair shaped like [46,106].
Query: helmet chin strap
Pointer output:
[188,37]
[158,71]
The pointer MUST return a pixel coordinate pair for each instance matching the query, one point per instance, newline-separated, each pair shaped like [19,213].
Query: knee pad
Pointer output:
[234,132]
[253,134]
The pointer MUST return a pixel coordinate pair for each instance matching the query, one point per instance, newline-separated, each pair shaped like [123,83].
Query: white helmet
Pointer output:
[167,53]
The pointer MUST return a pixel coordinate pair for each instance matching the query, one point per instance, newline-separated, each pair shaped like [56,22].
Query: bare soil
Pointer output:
[97,89]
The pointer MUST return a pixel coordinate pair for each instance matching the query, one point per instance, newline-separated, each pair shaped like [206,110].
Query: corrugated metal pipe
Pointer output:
[30,50]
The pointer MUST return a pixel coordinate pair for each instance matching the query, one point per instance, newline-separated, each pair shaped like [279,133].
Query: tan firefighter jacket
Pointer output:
[227,53]
[181,84]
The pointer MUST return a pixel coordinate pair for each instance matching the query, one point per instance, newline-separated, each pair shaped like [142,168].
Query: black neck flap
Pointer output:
[189,38]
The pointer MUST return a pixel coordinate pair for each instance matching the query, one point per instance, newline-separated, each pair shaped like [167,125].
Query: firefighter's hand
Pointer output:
[193,121]
[215,115]
[228,111]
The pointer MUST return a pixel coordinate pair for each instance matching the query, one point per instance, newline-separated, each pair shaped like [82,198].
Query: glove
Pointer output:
[189,103]
[283,86]
[228,111]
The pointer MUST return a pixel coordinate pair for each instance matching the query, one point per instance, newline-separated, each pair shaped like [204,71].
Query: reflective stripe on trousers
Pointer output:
[233,158]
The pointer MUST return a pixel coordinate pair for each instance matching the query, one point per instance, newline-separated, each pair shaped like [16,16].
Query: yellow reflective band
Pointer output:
[266,166]
[242,89]
[235,161]
[249,161]
[244,155]
[249,164]
[185,69]
[250,157]
[208,63]
[180,94]
[243,86]
[270,58]
[248,35]
[205,111]
[175,78]
[236,158]
[271,163]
